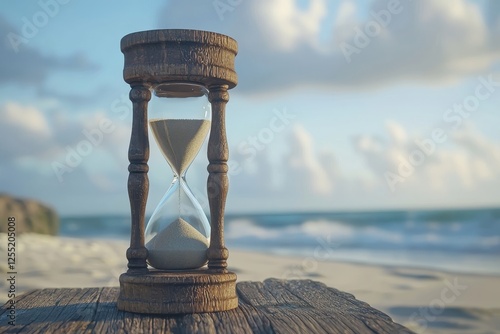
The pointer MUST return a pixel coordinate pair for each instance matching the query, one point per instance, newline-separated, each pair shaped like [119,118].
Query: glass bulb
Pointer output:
[178,233]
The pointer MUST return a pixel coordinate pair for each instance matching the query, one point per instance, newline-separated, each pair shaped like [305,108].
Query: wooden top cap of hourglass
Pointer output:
[179,55]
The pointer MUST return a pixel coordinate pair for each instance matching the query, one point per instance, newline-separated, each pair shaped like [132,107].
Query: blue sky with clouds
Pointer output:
[341,105]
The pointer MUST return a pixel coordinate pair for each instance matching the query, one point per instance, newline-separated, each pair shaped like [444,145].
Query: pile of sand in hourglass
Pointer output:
[179,245]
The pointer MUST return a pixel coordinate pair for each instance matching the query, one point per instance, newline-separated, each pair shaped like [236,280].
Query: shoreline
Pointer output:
[334,260]
[427,300]
[366,263]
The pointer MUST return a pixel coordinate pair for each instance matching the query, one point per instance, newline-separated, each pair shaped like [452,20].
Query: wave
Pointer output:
[410,235]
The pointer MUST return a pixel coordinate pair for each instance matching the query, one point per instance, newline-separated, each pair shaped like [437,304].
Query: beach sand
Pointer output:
[426,301]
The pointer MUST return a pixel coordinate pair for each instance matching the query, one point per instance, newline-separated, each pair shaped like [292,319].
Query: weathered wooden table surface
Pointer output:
[272,306]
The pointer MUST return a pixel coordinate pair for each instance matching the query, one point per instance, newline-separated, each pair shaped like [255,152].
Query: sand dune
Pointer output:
[423,300]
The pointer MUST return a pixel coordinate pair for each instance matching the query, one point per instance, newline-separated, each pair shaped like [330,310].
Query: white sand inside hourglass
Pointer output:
[179,246]
[180,140]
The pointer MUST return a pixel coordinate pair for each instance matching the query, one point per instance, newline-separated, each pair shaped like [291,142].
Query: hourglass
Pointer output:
[178,233]
[177,264]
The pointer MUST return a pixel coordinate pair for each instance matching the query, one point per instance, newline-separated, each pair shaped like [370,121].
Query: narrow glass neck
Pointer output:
[178,178]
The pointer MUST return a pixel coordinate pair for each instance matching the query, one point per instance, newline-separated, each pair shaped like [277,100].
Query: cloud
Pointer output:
[462,166]
[30,130]
[82,192]
[282,43]
[346,13]
[462,171]
[28,66]
[484,154]
[33,141]
[305,166]
[286,26]
[25,131]
[270,180]
[31,69]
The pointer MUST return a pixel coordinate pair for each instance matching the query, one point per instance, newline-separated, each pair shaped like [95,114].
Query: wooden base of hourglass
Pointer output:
[163,292]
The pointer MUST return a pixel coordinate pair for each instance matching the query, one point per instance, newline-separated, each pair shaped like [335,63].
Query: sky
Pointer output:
[341,105]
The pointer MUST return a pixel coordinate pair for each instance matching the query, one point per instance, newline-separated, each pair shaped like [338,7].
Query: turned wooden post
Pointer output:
[138,182]
[217,184]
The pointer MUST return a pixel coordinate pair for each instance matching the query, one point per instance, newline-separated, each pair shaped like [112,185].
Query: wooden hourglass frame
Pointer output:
[192,57]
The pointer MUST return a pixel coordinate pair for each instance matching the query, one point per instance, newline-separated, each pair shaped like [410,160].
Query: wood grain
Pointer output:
[162,292]
[272,306]
[180,55]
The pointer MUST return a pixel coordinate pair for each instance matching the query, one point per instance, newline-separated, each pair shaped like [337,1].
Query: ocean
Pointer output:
[466,241]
